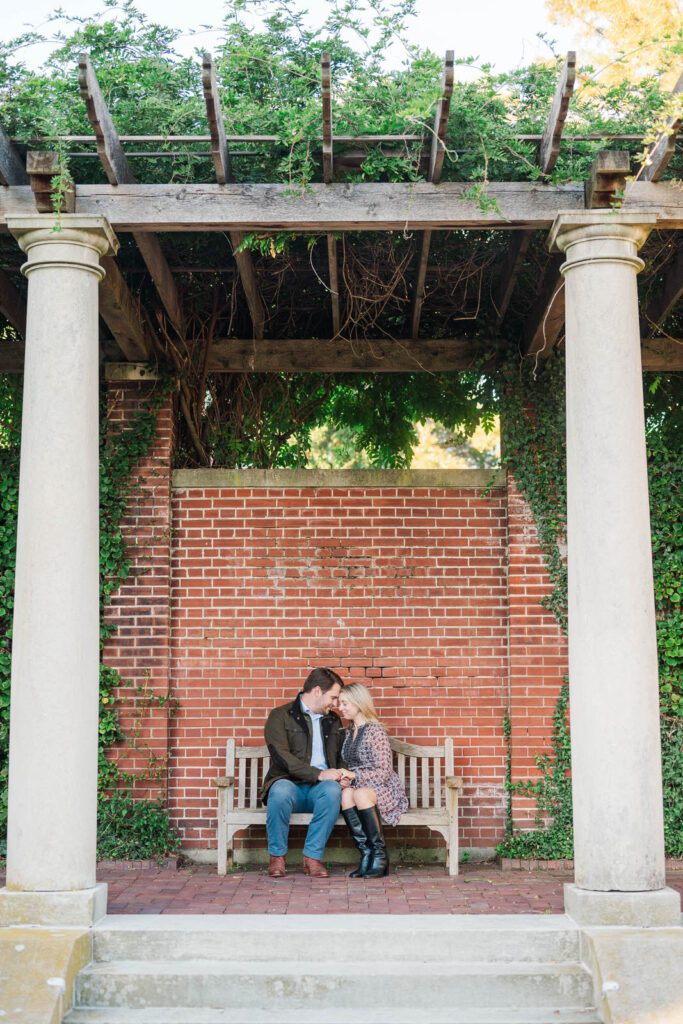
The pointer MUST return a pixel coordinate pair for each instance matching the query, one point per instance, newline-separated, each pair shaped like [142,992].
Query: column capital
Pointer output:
[590,225]
[57,243]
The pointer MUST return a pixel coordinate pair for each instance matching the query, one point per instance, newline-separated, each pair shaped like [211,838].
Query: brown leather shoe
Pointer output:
[314,868]
[276,867]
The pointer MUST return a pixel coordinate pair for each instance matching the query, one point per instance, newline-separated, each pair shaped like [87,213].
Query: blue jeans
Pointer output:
[322,799]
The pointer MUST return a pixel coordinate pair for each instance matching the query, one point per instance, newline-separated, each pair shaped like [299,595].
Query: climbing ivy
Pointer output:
[532,407]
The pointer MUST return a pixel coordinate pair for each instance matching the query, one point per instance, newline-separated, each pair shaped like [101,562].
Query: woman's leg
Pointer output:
[371,821]
[364,797]
[353,822]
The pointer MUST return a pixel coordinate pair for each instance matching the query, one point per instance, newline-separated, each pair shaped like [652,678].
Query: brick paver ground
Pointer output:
[482,889]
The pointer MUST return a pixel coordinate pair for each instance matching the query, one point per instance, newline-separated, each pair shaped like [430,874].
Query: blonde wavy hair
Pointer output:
[361,696]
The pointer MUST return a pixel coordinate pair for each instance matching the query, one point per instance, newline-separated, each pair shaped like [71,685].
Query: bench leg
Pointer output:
[452,840]
[222,836]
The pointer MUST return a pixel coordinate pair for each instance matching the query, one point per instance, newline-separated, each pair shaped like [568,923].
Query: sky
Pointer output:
[501,32]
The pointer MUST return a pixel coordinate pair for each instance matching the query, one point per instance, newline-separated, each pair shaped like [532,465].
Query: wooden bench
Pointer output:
[426,773]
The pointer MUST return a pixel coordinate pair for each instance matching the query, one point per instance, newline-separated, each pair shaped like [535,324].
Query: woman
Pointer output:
[376,793]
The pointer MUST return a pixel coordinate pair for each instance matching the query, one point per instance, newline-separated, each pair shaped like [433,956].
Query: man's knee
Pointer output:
[329,792]
[282,793]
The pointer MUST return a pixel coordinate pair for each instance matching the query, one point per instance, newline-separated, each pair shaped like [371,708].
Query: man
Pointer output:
[305,740]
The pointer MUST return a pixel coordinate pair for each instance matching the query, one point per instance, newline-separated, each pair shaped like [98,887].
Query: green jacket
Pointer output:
[290,741]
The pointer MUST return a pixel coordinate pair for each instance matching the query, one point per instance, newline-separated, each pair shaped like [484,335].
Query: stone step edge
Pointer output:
[313,967]
[375,1015]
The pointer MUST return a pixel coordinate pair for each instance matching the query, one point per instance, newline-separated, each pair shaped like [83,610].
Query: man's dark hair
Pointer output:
[325,678]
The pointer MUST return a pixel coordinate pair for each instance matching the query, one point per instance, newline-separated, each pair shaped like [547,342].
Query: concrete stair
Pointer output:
[336,969]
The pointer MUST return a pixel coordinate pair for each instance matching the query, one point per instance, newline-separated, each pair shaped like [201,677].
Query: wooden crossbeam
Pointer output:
[436,159]
[663,149]
[669,296]
[12,170]
[328,178]
[221,162]
[12,304]
[549,148]
[380,206]
[548,152]
[369,356]
[117,169]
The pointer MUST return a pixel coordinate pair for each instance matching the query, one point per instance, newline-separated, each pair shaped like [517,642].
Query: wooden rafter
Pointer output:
[117,169]
[661,152]
[546,319]
[436,159]
[12,170]
[328,178]
[12,304]
[548,152]
[669,296]
[221,162]
[549,148]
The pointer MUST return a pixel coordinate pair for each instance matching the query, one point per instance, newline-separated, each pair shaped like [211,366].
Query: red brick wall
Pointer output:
[140,608]
[428,594]
[402,588]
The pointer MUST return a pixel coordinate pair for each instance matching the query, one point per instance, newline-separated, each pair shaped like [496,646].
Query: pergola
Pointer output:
[587,293]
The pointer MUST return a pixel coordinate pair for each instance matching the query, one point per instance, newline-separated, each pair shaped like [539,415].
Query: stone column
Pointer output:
[614,699]
[55,656]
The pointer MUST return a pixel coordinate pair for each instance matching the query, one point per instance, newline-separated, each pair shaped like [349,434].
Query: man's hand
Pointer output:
[330,775]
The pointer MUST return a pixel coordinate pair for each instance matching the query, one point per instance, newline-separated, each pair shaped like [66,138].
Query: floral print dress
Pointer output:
[368,754]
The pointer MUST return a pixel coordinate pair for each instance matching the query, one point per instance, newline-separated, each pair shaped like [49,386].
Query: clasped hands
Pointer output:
[341,775]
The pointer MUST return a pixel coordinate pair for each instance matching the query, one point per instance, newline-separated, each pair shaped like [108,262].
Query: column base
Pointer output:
[82,907]
[659,908]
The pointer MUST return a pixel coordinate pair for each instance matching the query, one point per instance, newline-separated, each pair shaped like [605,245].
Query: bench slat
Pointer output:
[413,782]
[402,769]
[425,782]
[437,782]
[242,782]
[413,750]
[253,792]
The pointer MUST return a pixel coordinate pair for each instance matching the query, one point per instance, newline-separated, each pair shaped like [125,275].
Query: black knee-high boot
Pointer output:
[359,837]
[372,826]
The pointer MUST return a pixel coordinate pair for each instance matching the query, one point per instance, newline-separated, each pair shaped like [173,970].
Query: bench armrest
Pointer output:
[224,783]
[453,782]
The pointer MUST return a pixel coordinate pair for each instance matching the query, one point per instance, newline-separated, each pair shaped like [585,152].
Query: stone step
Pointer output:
[395,1015]
[494,938]
[322,985]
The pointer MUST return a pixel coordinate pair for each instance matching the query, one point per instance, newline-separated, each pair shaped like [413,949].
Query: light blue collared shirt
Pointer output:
[318,759]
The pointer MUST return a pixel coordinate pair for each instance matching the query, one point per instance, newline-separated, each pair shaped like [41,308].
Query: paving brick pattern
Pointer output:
[481,889]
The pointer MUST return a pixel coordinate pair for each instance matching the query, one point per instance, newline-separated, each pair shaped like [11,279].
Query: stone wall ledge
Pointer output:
[439,479]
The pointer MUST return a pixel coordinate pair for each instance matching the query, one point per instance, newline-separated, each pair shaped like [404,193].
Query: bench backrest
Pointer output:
[422,771]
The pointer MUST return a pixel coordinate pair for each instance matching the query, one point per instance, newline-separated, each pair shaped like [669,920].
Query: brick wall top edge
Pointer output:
[476,479]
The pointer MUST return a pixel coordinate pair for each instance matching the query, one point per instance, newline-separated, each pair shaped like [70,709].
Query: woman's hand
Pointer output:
[346,774]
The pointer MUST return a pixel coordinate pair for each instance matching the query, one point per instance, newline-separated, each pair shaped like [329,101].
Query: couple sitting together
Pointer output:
[317,767]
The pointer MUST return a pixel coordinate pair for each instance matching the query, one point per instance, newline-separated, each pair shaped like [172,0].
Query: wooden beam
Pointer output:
[546,319]
[42,168]
[663,149]
[548,152]
[122,314]
[221,163]
[12,304]
[436,159]
[12,170]
[341,355]
[661,355]
[328,178]
[117,169]
[549,148]
[219,146]
[507,281]
[605,186]
[669,296]
[380,206]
